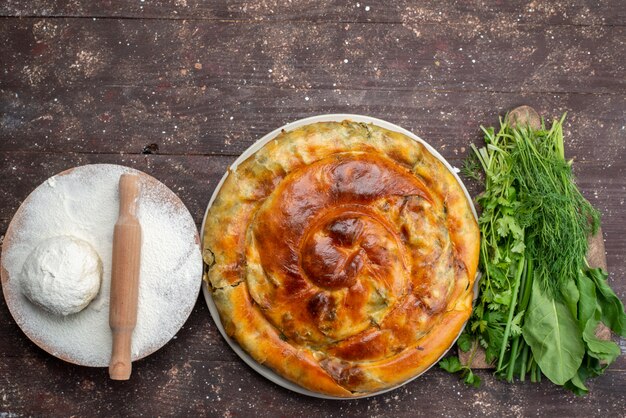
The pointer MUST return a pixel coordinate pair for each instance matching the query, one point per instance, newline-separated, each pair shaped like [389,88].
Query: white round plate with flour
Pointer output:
[83,202]
[261,369]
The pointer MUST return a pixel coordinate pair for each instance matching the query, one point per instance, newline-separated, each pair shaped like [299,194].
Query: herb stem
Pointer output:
[513,359]
[507,330]
[528,285]
[522,373]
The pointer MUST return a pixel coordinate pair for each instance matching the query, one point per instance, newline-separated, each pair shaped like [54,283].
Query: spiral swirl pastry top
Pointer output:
[342,255]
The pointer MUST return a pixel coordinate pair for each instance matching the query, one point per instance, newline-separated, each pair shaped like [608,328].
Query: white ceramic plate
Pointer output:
[261,369]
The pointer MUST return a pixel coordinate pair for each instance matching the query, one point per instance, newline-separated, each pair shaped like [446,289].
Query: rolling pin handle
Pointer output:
[129,194]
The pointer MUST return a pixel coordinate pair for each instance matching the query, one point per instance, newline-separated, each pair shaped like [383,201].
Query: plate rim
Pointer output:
[265,371]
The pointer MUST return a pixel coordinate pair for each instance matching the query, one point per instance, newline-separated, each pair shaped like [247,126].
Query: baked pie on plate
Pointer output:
[340,256]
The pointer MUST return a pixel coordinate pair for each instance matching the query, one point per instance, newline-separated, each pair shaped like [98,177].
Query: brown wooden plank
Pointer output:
[577,12]
[193,178]
[227,120]
[171,385]
[68,54]
[63,96]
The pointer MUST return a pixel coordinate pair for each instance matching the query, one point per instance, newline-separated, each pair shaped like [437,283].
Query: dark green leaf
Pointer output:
[516,329]
[606,351]
[495,335]
[493,306]
[518,247]
[612,308]
[588,303]
[494,317]
[471,379]
[450,364]
[464,342]
[508,225]
[483,343]
[491,353]
[503,298]
[576,385]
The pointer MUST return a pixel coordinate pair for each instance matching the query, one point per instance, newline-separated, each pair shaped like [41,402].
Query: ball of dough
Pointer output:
[62,275]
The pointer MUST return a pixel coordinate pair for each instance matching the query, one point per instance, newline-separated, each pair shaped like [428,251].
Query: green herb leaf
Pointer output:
[606,351]
[464,342]
[516,329]
[518,247]
[450,364]
[472,379]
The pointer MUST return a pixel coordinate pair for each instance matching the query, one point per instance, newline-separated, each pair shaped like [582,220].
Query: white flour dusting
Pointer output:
[85,204]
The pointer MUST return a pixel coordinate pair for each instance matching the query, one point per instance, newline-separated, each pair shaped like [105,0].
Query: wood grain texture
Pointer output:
[203,80]
[560,12]
[313,55]
[195,122]
[214,88]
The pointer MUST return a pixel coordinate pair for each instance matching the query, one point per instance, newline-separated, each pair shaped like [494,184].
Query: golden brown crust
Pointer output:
[342,255]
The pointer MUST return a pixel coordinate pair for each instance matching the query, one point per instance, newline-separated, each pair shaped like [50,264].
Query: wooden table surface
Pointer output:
[102,81]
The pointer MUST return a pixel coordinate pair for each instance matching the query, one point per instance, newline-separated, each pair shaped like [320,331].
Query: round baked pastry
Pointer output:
[342,256]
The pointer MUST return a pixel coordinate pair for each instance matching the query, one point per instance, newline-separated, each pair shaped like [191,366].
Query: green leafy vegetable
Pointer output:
[612,308]
[602,350]
[539,303]
[554,337]
[588,303]
[464,342]
[453,365]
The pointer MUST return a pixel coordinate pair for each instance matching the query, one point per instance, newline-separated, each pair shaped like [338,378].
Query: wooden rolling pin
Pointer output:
[125,277]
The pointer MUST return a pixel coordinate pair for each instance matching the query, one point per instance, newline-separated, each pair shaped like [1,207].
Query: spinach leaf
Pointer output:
[591,367]
[588,303]
[576,384]
[553,336]
[612,308]
[589,316]
[571,296]
[606,351]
